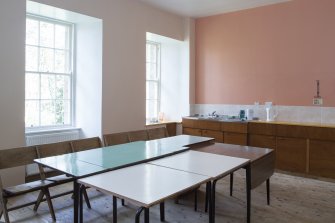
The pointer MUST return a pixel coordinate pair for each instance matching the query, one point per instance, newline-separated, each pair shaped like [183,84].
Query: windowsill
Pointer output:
[50,130]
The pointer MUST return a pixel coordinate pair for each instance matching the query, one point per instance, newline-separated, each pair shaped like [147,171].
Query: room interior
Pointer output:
[252,73]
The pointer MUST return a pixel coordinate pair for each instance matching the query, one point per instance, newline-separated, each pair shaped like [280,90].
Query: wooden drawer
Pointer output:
[217,135]
[294,131]
[235,138]
[322,158]
[262,128]
[321,133]
[291,154]
[188,123]
[263,141]
[209,125]
[193,132]
[239,127]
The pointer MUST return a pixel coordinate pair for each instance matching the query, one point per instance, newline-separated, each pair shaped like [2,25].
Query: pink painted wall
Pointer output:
[271,53]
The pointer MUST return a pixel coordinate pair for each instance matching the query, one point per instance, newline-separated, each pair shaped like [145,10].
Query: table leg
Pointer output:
[138,214]
[231,183]
[76,188]
[162,211]
[82,187]
[208,194]
[248,182]
[195,199]
[114,209]
[146,215]
[213,201]
[268,190]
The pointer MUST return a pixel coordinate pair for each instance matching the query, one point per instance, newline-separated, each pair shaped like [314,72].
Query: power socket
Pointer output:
[317,101]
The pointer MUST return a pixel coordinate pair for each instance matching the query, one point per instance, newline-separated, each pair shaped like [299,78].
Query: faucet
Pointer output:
[214,114]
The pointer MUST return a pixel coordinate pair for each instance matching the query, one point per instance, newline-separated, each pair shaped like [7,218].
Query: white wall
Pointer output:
[89,77]
[12,26]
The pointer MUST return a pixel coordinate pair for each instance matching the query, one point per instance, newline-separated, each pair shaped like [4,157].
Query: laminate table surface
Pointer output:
[207,164]
[144,185]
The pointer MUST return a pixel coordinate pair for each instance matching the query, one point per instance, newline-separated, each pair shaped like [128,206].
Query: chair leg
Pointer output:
[39,200]
[268,191]
[231,183]
[3,203]
[86,198]
[51,208]
[195,199]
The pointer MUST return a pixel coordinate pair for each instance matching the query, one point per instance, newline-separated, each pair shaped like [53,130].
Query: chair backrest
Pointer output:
[116,138]
[17,157]
[140,135]
[86,144]
[54,149]
[157,133]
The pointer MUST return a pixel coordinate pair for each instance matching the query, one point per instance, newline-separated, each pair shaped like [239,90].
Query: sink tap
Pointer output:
[214,113]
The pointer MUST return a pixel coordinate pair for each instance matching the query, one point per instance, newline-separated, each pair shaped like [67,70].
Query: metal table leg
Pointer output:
[248,182]
[76,188]
[114,209]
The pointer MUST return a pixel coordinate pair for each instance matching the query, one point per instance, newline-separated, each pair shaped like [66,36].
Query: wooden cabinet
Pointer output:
[191,131]
[322,158]
[235,138]
[291,154]
[217,135]
[263,141]
[298,148]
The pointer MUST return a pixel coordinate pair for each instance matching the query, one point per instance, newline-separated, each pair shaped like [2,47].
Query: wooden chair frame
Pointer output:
[14,158]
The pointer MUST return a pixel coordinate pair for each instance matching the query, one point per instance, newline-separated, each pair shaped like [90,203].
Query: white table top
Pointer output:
[144,185]
[207,164]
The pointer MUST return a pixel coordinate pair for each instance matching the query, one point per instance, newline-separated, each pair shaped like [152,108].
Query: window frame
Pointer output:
[70,73]
[158,81]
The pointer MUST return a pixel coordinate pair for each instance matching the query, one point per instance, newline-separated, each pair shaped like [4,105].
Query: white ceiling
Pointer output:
[202,8]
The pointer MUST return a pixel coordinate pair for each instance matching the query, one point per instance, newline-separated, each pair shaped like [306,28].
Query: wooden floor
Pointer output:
[293,199]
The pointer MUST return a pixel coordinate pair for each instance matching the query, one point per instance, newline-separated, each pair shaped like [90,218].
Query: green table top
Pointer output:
[98,160]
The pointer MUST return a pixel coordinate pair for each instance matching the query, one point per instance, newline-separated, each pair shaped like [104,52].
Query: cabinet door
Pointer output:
[217,135]
[235,138]
[291,154]
[322,158]
[191,131]
[263,141]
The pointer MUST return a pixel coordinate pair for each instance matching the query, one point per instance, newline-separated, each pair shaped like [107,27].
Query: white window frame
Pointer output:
[158,81]
[71,74]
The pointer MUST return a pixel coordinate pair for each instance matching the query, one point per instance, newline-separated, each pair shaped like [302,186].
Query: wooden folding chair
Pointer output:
[116,138]
[16,157]
[157,133]
[54,149]
[139,135]
[86,144]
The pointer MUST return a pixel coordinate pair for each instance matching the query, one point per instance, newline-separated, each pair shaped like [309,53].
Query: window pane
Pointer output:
[63,87]
[31,32]
[152,111]
[46,34]
[60,58]
[46,60]
[152,90]
[31,58]
[152,73]
[32,86]
[63,112]
[61,33]
[152,53]
[32,113]
[47,112]
[48,84]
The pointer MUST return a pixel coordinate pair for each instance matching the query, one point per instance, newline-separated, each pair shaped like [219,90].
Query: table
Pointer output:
[95,161]
[144,186]
[211,165]
[262,162]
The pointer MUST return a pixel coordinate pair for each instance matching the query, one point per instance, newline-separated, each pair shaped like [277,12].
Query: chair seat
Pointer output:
[60,179]
[27,187]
